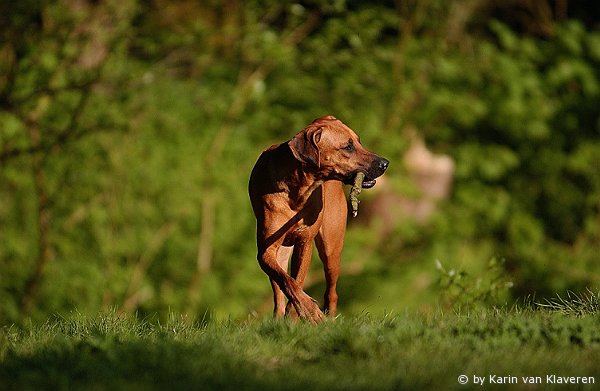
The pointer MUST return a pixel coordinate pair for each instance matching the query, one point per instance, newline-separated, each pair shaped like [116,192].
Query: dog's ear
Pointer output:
[305,146]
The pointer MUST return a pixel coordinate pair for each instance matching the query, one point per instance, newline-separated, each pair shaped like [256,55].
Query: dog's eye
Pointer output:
[349,147]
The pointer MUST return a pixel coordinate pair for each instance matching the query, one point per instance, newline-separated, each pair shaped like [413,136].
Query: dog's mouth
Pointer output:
[366,184]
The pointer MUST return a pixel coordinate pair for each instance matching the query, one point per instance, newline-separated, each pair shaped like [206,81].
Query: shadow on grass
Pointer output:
[113,364]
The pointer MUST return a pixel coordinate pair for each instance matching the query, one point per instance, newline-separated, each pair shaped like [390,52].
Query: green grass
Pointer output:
[412,352]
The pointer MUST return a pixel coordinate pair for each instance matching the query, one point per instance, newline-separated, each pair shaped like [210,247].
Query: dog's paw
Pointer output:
[308,309]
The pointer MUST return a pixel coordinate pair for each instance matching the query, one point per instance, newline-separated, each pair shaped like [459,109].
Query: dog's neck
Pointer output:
[299,182]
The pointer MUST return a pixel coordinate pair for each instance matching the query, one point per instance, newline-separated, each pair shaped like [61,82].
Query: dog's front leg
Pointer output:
[279,299]
[305,306]
[301,259]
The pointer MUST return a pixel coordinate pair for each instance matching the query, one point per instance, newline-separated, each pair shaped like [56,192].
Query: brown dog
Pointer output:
[296,190]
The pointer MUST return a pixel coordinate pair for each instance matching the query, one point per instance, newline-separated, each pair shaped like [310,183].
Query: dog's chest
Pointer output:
[299,235]
[302,231]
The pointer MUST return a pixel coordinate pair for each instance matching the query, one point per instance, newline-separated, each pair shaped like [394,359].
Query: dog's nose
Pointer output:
[383,164]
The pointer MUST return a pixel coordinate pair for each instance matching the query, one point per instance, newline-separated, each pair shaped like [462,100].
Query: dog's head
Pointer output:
[332,150]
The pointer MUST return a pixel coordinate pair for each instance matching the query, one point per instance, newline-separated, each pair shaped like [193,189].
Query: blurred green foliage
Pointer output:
[128,131]
[463,291]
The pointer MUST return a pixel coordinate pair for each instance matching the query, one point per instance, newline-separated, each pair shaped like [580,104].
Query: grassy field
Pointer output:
[387,352]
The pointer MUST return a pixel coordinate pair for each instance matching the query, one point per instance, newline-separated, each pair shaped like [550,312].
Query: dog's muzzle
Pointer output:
[375,171]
